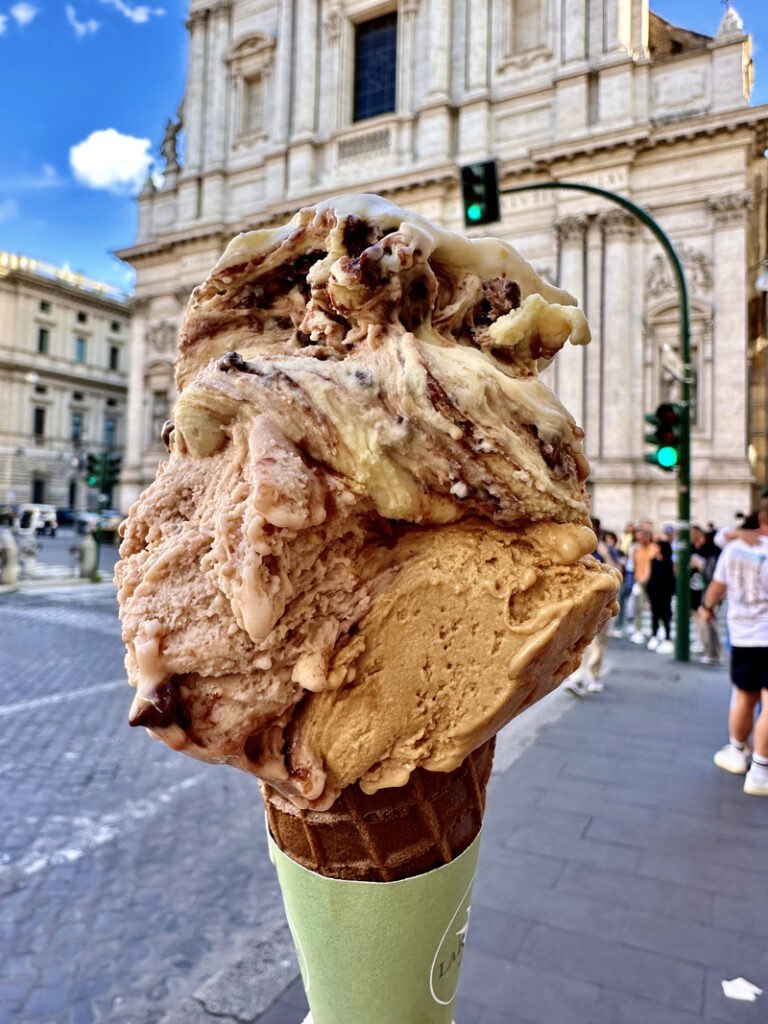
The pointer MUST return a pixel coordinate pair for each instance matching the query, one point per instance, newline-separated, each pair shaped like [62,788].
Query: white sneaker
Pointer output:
[731,759]
[575,687]
[653,643]
[756,782]
[665,647]
[637,638]
[595,687]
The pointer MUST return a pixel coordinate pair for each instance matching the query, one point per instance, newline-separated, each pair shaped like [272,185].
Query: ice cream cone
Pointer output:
[385,953]
[395,833]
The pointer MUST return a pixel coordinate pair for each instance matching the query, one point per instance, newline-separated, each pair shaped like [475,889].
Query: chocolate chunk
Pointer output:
[232,361]
[500,296]
[165,435]
[357,235]
[164,708]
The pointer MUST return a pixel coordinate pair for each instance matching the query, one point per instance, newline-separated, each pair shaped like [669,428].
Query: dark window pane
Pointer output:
[114,357]
[375,66]
[110,431]
[38,427]
[43,337]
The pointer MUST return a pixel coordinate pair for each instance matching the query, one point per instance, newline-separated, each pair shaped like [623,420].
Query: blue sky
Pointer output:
[87,87]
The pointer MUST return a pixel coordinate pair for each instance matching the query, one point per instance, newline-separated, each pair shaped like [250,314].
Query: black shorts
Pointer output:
[749,668]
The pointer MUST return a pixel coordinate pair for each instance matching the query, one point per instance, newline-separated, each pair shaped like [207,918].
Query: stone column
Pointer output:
[573,31]
[281,121]
[217,107]
[477,48]
[305,70]
[570,365]
[131,482]
[405,57]
[194,119]
[618,373]
[593,307]
[729,419]
[440,13]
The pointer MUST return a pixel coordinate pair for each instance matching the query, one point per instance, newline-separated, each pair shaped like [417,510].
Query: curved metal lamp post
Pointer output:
[683,603]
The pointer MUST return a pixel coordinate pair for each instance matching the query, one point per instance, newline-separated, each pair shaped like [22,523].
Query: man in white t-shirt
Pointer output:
[742,573]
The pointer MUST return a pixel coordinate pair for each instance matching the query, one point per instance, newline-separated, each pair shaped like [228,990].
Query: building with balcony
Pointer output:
[287,103]
[63,377]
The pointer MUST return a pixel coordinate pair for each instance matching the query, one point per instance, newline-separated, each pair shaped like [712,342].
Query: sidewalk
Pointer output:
[622,875]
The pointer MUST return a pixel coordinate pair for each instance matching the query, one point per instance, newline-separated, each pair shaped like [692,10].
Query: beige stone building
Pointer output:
[289,102]
[63,379]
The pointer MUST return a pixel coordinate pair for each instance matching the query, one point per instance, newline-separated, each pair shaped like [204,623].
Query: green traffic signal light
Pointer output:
[667,457]
[92,480]
[480,193]
[665,436]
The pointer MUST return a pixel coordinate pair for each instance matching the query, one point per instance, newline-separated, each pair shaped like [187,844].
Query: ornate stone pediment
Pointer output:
[255,50]
[698,273]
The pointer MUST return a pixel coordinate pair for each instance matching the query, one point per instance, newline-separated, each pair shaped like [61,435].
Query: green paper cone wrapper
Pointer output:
[379,953]
[377,893]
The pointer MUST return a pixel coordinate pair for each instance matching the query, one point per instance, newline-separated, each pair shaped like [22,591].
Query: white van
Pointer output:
[36,519]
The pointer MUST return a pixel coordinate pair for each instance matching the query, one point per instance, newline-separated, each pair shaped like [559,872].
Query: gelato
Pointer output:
[368,549]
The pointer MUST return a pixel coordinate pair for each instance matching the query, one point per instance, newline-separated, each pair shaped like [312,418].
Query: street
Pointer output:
[128,873]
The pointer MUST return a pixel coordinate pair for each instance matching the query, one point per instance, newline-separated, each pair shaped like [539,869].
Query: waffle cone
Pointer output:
[395,833]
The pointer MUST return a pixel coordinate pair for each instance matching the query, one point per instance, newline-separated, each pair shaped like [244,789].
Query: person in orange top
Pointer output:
[644,550]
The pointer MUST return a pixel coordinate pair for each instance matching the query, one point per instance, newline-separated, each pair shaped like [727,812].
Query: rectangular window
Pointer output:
[38,422]
[110,431]
[43,340]
[80,349]
[76,426]
[115,326]
[38,490]
[114,357]
[82,318]
[45,306]
[375,67]
[159,412]
[253,106]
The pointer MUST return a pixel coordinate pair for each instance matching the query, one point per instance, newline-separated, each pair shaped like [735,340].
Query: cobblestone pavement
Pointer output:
[128,874]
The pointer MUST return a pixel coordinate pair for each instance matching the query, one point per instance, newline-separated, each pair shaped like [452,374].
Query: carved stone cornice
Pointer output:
[201,13]
[139,305]
[409,9]
[731,208]
[571,230]
[660,281]
[617,224]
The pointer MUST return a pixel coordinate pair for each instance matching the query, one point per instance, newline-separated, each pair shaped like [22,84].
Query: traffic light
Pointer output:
[112,469]
[93,469]
[665,436]
[480,193]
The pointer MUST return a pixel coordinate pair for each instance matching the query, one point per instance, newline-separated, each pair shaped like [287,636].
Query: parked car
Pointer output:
[66,516]
[109,520]
[86,522]
[33,518]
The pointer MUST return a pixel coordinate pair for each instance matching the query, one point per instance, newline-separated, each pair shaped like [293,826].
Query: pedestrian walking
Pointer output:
[703,559]
[741,573]
[660,588]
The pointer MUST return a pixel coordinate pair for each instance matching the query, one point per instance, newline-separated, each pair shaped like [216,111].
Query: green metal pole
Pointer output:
[683,604]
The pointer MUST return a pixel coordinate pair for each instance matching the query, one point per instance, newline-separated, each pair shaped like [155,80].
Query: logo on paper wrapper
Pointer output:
[444,977]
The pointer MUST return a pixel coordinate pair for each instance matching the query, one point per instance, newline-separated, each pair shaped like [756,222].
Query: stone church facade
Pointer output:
[289,101]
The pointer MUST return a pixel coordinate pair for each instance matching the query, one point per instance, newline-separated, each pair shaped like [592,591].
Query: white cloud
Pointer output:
[23,12]
[82,28]
[110,160]
[9,209]
[138,15]
[3,23]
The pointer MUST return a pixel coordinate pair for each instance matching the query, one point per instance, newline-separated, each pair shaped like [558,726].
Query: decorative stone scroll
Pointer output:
[698,273]
[730,208]
[570,230]
[618,224]
[161,338]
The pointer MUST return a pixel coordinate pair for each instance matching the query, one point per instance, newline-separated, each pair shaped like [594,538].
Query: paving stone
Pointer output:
[621,888]
[663,979]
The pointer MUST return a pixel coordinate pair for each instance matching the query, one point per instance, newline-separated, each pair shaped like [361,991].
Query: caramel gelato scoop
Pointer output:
[367,549]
